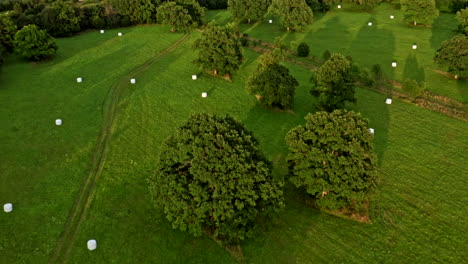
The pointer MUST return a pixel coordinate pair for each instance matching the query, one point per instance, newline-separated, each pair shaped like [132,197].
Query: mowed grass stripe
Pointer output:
[85,197]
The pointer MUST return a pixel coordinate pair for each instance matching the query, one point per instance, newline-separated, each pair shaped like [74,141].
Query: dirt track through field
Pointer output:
[62,250]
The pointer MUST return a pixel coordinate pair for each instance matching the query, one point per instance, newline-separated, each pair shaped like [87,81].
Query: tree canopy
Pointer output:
[139,11]
[213,177]
[419,11]
[454,54]
[334,83]
[333,159]
[7,33]
[273,82]
[462,17]
[59,19]
[219,50]
[294,15]
[248,9]
[34,44]
[181,15]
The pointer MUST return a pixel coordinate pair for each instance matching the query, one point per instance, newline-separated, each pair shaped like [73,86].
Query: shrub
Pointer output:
[303,50]
[34,44]
[413,88]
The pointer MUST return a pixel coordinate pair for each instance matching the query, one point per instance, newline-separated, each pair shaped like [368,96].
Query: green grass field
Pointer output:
[346,31]
[418,215]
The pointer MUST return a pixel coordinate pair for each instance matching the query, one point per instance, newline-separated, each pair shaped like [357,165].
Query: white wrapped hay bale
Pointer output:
[119,34]
[8,207]
[369,24]
[79,79]
[132,81]
[371,130]
[58,122]
[92,244]
[415,46]
[339,6]
[204,95]
[394,64]
[392,17]
[102,31]
[194,77]
[388,101]
[270,21]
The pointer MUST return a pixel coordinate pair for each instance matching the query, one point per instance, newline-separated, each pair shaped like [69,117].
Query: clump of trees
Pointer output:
[453,54]
[138,11]
[219,50]
[213,178]
[333,159]
[34,43]
[248,10]
[334,83]
[419,11]
[7,33]
[294,15]
[59,19]
[181,16]
[272,82]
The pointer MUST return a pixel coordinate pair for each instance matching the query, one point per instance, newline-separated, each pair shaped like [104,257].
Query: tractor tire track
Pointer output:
[81,205]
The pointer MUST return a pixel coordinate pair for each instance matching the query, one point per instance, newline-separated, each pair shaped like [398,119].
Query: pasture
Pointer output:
[418,214]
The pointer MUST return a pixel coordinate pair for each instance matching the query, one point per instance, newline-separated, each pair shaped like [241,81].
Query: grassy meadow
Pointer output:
[418,214]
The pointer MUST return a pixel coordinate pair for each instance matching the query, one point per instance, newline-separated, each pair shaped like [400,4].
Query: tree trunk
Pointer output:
[248,20]
[215,72]
[456,77]
[288,28]
[414,23]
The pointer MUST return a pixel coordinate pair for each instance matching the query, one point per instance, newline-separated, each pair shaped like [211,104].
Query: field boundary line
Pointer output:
[82,203]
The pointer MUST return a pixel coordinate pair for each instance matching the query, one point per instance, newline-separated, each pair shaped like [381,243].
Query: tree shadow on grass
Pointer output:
[374,46]
[412,69]
[443,28]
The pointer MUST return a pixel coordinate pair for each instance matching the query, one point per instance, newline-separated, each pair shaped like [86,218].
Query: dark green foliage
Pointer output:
[214,4]
[34,44]
[138,11]
[332,158]
[212,177]
[2,53]
[457,5]
[59,19]
[454,54]
[303,50]
[294,15]
[419,11]
[275,85]
[413,88]
[318,5]
[365,4]
[248,10]
[244,41]
[181,15]
[7,33]
[326,55]
[462,17]
[219,50]
[334,83]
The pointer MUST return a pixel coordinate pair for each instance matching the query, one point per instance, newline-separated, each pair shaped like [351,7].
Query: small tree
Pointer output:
[303,50]
[59,19]
[334,83]
[219,50]
[139,11]
[454,54]
[419,11]
[179,15]
[462,17]
[34,44]
[275,85]
[413,88]
[7,33]
[248,9]
[213,177]
[326,55]
[332,157]
[294,15]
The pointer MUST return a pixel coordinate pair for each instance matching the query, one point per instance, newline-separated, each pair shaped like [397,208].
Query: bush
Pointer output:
[34,44]
[413,88]
[326,55]
[303,50]
[244,41]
